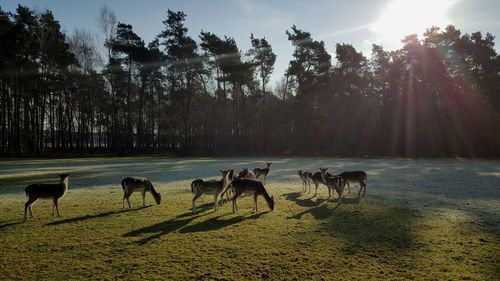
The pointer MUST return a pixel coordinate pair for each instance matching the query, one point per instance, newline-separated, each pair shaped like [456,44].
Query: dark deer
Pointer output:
[46,191]
[262,171]
[248,186]
[133,184]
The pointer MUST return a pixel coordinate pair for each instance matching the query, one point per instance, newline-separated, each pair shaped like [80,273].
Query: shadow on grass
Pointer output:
[379,228]
[10,224]
[163,228]
[96,216]
[180,222]
[319,209]
[216,223]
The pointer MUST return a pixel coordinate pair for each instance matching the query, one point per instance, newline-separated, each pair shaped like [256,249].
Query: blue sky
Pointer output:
[333,21]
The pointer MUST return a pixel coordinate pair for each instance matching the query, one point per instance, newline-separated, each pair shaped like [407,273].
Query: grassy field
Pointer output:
[420,219]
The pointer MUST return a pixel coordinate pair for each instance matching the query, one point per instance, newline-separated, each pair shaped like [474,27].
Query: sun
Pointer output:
[404,17]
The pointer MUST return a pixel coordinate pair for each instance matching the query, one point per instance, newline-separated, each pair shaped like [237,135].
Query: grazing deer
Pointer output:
[247,174]
[46,191]
[133,184]
[214,187]
[249,186]
[262,171]
[355,176]
[334,183]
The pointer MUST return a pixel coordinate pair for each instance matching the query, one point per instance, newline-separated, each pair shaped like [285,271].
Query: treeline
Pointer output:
[436,96]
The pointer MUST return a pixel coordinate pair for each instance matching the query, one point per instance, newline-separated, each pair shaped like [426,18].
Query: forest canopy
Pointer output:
[438,95]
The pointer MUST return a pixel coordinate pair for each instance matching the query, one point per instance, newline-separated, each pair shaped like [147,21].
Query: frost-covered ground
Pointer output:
[468,187]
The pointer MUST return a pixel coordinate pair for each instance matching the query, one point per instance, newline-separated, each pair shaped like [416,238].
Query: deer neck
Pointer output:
[65,183]
[323,177]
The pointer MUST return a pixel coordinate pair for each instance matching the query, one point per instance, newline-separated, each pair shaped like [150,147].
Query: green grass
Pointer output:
[304,238]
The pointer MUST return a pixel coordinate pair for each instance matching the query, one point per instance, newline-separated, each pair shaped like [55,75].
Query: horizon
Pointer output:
[360,23]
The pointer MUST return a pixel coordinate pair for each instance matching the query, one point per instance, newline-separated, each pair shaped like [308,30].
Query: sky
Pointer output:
[357,22]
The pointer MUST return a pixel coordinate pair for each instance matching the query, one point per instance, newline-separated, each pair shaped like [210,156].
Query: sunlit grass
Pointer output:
[303,238]
[418,220]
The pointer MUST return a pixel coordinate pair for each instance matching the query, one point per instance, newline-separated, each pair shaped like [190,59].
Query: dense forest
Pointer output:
[436,96]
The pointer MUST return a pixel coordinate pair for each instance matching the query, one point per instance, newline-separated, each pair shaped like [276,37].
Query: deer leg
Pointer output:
[144,198]
[255,202]
[195,197]
[216,202]
[57,206]
[340,196]
[235,196]
[364,188]
[28,206]
[128,202]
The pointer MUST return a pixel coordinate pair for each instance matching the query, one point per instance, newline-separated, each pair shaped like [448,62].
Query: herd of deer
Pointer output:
[231,185]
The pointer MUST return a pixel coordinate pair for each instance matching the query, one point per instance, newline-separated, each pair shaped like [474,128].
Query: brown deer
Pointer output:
[254,187]
[317,180]
[262,171]
[214,187]
[46,191]
[306,179]
[247,174]
[355,176]
[133,184]
[334,183]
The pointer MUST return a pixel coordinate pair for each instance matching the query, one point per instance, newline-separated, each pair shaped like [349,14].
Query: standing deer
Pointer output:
[262,171]
[317,179]
[214,187]
[306,179]
[46,191]
[249,186]
[334,183]
[355,176]
[247,174]
[133,184]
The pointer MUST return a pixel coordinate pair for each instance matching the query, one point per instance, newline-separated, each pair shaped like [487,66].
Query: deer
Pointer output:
[334,183]
[250,186]
[355,176]
[214,187]
[302,175]
[133,184]
[306,179]
[317,179]
[247,174]
[262,171]
[46,191]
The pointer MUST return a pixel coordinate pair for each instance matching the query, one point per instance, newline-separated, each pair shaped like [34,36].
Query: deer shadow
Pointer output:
[319,209]
[10,224]
[96,216]
[163,228]
[216,223]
